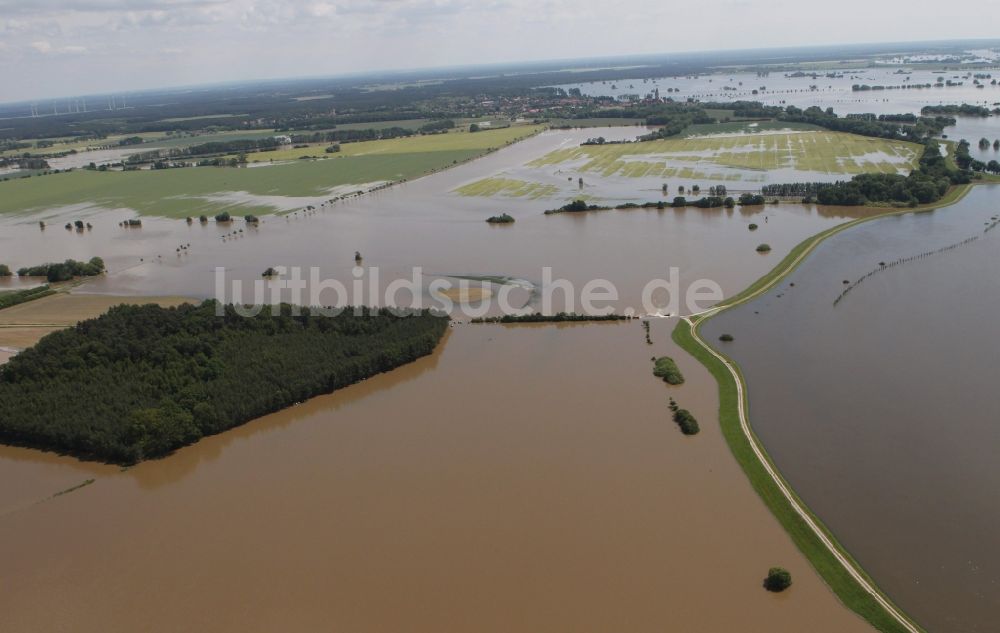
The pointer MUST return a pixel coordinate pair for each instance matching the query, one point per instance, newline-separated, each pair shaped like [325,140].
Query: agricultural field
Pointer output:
[186,139]
[509,187]
[265,189]
[729,156]
[66,144]
[456,140]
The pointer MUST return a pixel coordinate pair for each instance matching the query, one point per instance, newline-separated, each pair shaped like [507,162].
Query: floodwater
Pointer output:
[824,92]
[881,410]
[423,224]
[521,478]
[973,129]
[836,93]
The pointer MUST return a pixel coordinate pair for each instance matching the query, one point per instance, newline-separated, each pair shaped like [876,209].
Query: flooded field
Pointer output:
[973,129]
[880,410]
[510,481]
[805,90]
[524,478]
[425,224]
[742,158]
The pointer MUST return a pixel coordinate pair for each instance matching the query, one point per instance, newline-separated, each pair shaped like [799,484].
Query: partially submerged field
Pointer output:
[511,187]
[193,191]
[712,156]
[24,324]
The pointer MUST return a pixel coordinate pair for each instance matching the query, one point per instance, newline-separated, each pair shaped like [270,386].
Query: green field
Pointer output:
[697,157]
[746,127]
[66,144]
[456,140]
[510,187]
[186,139]
[184,192]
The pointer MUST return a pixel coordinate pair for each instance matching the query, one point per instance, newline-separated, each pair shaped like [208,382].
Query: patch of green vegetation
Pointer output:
[577,206]
[508,187]
[664,367]
[452,141]
[141,381]
[778,579]
[14,297]
[694,157]
[764,248]
[64,271]
[503,218]
[684,419]
[180,193]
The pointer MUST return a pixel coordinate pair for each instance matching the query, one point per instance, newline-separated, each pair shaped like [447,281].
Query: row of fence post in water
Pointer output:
[904,260]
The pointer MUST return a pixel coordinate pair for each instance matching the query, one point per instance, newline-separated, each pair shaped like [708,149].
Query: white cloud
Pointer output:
[45,47]
[130,44]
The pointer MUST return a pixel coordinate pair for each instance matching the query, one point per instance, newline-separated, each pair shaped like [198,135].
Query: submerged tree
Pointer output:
[778,579]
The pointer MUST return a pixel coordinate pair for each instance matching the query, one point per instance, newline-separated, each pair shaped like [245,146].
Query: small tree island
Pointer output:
[664,367]
[778,579]
[503,218]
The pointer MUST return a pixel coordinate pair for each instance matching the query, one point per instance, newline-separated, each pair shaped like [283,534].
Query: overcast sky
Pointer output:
[54,48]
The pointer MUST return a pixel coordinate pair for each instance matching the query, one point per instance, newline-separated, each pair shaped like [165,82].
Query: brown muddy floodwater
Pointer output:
[881,410]
[521,478]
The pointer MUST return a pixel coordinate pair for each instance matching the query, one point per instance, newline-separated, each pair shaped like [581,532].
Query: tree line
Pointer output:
[64,271]
[8,299]
[924,185]
[964,110]
[141,381]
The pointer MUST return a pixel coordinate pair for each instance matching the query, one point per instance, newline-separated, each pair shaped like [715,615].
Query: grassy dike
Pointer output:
[839,570]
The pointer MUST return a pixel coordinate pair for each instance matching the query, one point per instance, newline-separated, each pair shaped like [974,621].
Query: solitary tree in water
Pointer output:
[778,579]
[357,257]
